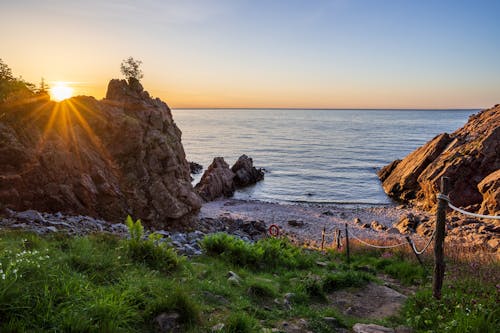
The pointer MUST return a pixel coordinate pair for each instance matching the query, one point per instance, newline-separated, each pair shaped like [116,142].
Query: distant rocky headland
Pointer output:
[469,157]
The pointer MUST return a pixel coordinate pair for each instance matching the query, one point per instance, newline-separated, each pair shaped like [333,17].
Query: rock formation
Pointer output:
[220,181]
[245,173]
[470,157]
[217,181]
[122,155]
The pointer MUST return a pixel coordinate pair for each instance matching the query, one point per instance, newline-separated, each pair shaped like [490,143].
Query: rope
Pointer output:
[375,246]
[447,199]
[425,247]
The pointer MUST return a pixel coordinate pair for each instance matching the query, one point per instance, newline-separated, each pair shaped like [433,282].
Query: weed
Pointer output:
[260,289]
[241,323]
[266,254]
[156,255]
[340,280]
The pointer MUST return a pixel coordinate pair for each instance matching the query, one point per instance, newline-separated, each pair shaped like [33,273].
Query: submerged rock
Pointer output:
[195,168]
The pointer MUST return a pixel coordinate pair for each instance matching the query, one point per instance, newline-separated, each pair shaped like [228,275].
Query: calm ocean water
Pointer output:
[325,156]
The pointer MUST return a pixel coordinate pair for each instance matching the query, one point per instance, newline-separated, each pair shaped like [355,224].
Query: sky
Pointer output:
[255,53]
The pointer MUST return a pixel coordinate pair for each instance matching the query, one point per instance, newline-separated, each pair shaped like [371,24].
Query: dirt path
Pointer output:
[373,301]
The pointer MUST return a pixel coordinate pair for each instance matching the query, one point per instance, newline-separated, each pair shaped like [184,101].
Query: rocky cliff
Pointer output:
[470,157]
[122,155]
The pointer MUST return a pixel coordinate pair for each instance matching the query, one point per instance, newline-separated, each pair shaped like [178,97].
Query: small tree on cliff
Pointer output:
[130,68]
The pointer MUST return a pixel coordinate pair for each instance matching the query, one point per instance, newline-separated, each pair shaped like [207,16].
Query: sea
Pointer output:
[312,156]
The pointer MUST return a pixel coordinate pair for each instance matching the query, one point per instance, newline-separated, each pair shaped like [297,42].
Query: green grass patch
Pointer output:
[100,283]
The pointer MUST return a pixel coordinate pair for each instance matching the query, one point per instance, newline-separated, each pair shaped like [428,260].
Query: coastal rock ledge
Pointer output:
[470,157]
[106,159]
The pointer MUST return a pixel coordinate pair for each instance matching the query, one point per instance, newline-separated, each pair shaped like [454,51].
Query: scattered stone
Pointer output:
[371,328]
[287,300]
[493,243]
[167,323]
[30,216]
[365,226]
[328,213]
[218,327]
[322,263]
[51,229]
[424,229]
[375,225]
[408,223]
[233,278]
[331,321]
[296,223]
[357,220]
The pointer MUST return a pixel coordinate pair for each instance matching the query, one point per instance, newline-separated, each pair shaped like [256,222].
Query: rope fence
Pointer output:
[447,199]
[373,245]
[426,245]
[438,236]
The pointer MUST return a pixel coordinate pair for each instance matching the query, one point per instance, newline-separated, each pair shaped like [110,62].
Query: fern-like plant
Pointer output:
[150,251]
[135,229]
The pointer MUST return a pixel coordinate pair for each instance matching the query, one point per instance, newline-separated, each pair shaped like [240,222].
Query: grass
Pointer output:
[101,283]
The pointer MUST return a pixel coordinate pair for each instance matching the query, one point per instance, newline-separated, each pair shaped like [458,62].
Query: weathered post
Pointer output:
[439,266]
[339,240]
[347,245]
[323,238]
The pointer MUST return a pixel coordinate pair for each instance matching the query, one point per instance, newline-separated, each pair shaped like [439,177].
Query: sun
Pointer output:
[61,91]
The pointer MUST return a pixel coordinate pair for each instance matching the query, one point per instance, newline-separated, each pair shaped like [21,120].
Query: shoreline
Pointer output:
[303,223]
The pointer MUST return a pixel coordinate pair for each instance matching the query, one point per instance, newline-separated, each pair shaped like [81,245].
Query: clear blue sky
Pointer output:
[338,53]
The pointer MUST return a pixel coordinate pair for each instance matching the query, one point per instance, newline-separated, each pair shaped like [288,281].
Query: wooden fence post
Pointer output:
[323,238]
[439,266]
[347,245]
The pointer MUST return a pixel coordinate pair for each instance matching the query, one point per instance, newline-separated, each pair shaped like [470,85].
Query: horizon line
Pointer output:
[326,109]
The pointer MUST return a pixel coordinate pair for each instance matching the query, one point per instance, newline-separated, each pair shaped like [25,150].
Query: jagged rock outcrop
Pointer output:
[245,173]
[122,155]
[489,188]
[467,157]
[221,181]
[217,181]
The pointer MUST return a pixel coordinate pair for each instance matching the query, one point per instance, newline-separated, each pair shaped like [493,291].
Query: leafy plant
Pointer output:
[149,251]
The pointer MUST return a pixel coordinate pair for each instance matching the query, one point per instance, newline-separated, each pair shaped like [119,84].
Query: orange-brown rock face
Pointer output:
[122,155]
[467,157]
[490,190]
